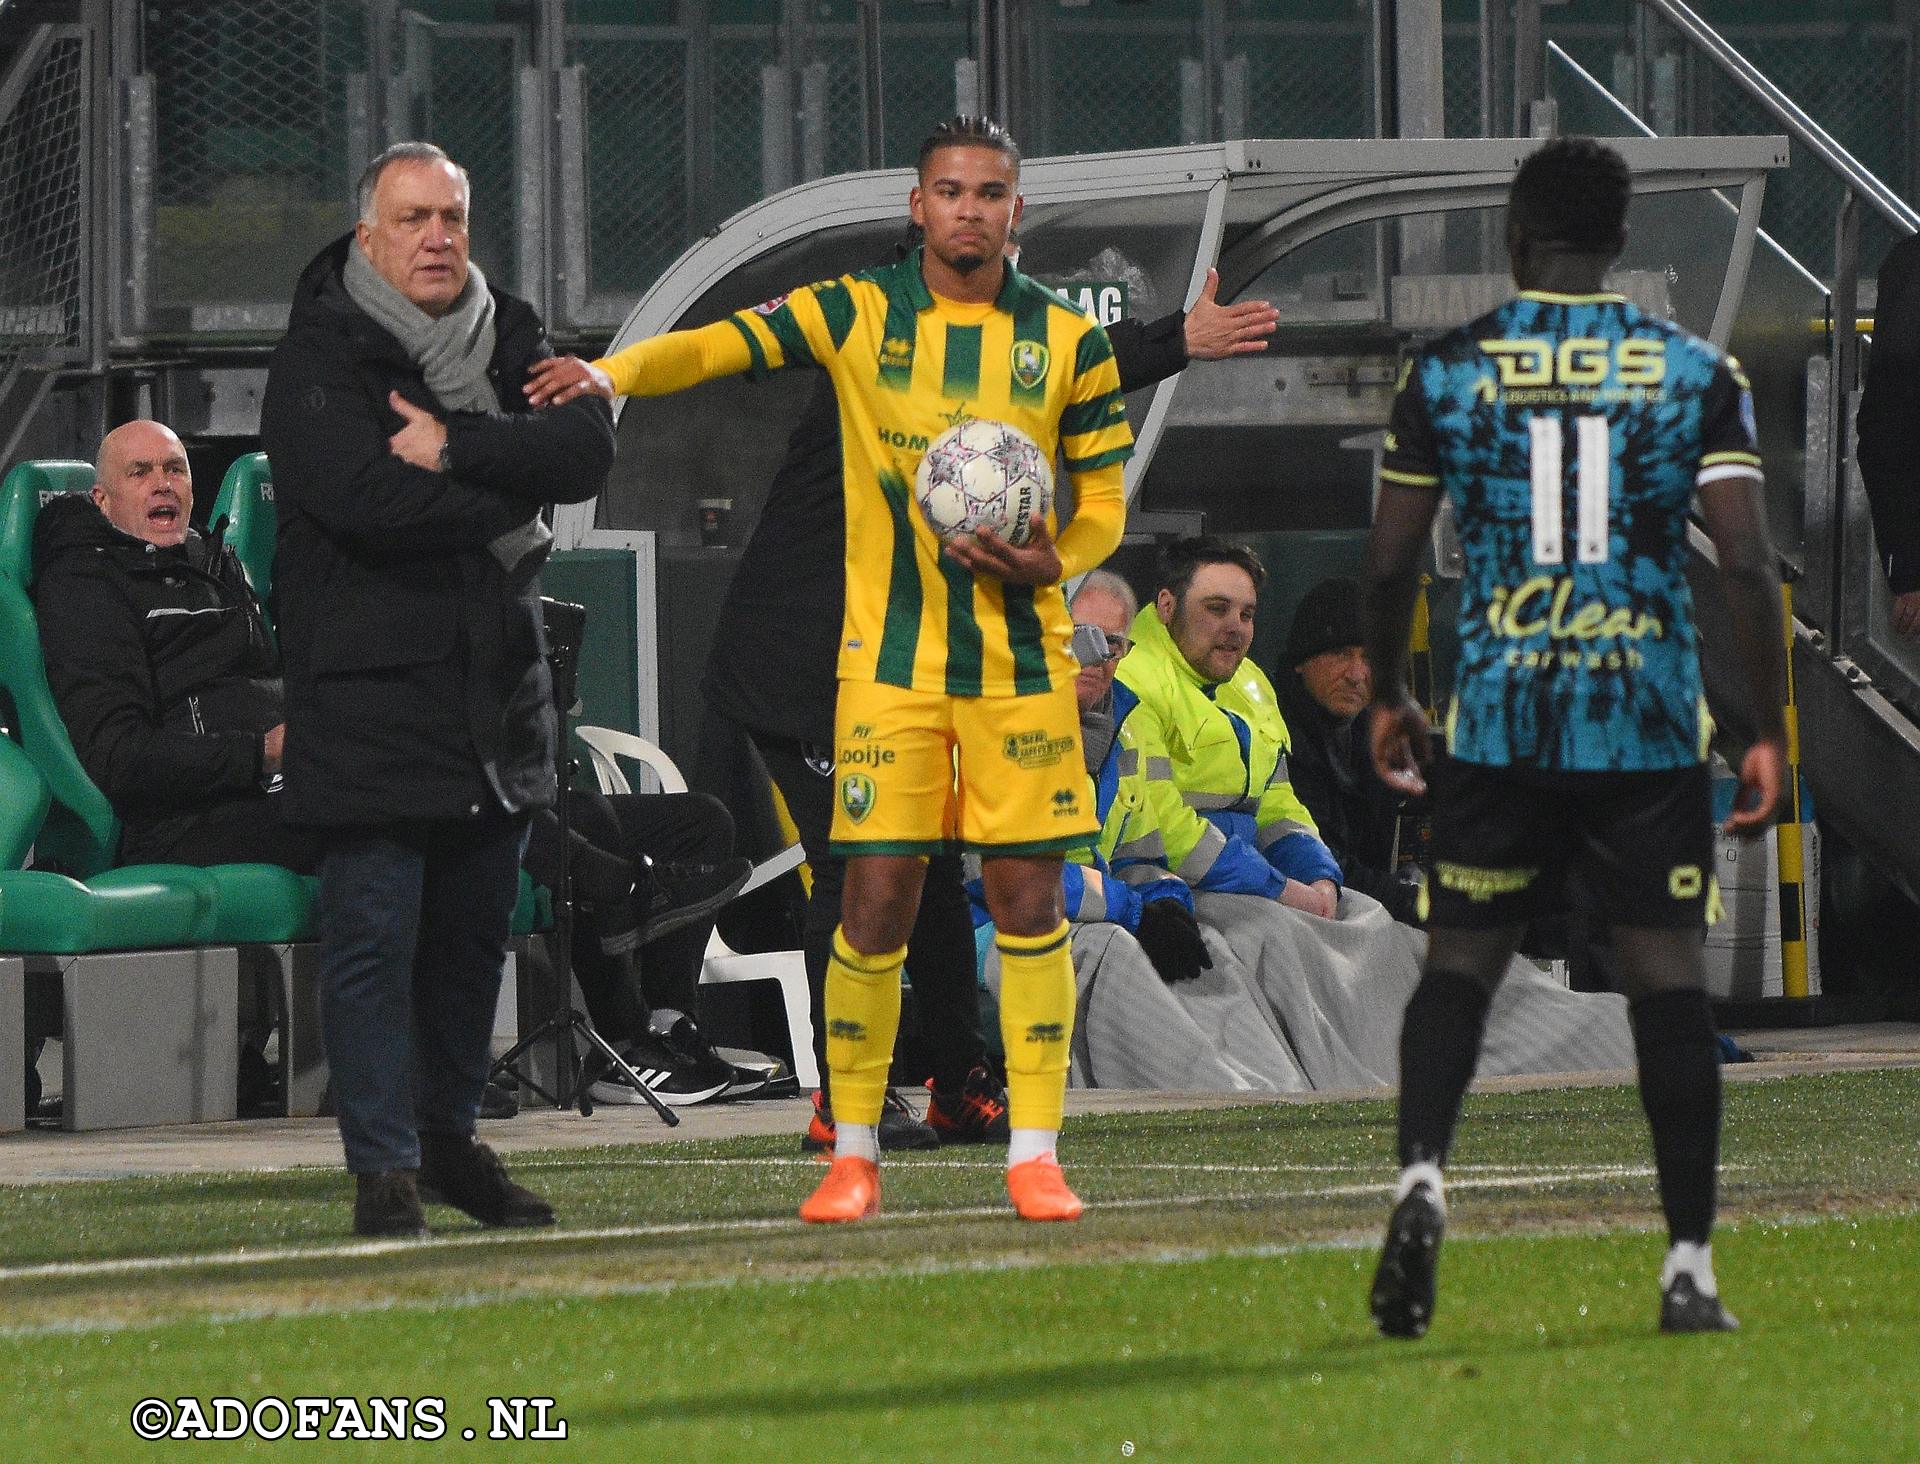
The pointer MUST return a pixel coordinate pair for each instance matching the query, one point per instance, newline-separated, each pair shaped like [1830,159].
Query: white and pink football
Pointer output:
[984,474]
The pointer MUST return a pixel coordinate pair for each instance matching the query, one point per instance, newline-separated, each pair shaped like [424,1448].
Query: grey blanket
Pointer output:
[1338,989]
[1294,1002]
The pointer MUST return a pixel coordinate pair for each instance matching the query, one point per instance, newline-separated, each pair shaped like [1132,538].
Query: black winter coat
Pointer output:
[417,685]
[160,666]
[1331,768]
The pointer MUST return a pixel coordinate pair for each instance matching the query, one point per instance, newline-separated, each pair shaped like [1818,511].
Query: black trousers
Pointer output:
[676,828]
[232,831]
[940,964]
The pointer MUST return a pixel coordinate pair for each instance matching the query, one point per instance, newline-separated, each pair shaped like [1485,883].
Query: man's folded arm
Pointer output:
[555,455]
[328,441]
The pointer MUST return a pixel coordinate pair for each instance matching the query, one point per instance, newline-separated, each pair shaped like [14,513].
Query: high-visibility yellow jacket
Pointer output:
[1226,817]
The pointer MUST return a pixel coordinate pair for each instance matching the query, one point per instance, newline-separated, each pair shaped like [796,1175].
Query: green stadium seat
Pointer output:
[22,491]
[24,801]
[245,501]
[81,832]
[150,1021]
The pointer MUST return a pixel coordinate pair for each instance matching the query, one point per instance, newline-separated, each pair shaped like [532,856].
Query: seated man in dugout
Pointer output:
[169,684]
[1323,684]
[1327,966]
[161,664]
[1230,818]
[1152,1010]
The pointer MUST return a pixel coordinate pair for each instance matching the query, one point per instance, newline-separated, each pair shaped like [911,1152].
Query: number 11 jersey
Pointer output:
[1569,433]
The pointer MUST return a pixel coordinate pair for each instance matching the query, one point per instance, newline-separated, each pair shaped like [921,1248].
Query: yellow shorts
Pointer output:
[917,772]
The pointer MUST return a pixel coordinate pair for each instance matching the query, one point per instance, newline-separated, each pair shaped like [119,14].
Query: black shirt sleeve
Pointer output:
[1412,457]
[1150,351]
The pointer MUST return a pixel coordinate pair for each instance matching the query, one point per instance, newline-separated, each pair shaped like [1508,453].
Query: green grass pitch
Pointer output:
[1210,1306]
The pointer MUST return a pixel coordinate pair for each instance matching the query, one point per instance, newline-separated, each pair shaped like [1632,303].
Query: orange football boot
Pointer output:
[851,1191]
[1039,1190]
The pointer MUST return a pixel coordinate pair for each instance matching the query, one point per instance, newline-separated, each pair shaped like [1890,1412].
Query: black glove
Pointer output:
[1171,938]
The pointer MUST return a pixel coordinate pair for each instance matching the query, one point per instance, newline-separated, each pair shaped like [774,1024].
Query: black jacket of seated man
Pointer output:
[167,679]
[1332,771]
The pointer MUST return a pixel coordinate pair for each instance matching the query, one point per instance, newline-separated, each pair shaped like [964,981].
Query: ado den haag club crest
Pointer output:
[1029,361]
[856,795]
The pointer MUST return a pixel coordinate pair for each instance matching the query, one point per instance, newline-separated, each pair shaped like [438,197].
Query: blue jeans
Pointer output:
[413,941]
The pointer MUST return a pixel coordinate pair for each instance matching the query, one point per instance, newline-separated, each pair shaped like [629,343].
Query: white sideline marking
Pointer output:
[1585,1171]
[366,1249]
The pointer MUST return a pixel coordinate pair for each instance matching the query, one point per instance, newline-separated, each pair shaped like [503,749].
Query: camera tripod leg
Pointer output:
[622,1068]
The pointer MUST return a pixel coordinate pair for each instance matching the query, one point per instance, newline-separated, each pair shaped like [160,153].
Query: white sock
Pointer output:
[1025,1144]
[856,1140]
[1415,1175]
[1693,1260]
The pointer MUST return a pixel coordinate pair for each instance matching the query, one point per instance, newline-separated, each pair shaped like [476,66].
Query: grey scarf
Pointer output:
[452,352]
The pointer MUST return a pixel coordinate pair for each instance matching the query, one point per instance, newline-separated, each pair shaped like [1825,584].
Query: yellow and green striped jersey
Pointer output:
[907,365]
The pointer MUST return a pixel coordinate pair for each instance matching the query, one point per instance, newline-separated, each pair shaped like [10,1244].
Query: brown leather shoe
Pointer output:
[468,1175]
[387,1203]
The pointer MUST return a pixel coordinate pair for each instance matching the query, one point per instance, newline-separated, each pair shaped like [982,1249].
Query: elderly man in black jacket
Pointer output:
[1323,687]
[420,727]
[160,664]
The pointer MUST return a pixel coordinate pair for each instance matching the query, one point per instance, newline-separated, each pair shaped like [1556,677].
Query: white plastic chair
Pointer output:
[723,964]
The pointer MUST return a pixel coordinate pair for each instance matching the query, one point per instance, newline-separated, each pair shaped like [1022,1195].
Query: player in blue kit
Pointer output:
[1570,431]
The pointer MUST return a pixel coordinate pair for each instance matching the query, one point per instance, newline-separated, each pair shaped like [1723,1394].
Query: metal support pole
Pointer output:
[872,84]
[100,236]
[1529,64]
[1843,352]
[384,120]
[1787,836]
[1419,103]
[1496,46]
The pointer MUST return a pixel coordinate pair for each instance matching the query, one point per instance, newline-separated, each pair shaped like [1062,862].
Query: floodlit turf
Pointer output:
[1211,1305]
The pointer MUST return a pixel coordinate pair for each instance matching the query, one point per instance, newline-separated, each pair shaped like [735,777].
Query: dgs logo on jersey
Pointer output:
[1578,361]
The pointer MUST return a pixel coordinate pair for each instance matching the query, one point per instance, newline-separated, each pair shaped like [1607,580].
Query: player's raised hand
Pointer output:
[1763,777]
[559,379]
[1214,330]
[1402,742]
[1035,562]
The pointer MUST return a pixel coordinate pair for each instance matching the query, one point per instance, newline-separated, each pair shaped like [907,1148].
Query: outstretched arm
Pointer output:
[657,366]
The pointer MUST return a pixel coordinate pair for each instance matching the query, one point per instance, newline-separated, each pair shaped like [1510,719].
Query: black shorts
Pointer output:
[1507,840]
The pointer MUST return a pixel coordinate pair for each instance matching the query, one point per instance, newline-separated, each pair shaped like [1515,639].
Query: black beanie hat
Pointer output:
[1327,620]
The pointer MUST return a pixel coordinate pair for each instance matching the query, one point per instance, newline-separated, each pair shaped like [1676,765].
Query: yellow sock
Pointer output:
[1036,1023]
[863,1017]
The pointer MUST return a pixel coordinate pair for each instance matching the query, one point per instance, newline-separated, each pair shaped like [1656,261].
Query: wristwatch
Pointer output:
[446,456]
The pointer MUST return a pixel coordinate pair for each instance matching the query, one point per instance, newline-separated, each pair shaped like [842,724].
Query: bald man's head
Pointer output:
[143,484]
